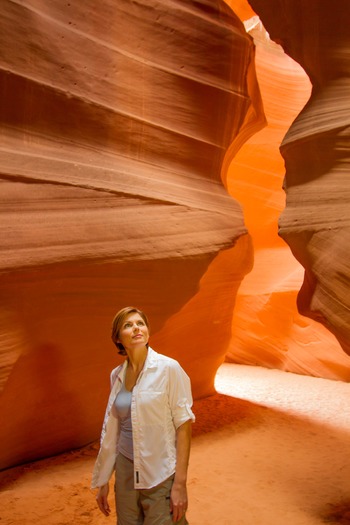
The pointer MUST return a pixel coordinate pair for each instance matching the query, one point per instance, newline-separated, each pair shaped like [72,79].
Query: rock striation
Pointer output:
[116,121]
[137,167]
[316,220]
[267,329]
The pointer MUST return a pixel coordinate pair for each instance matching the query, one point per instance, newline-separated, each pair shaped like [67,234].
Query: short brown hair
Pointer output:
[118,322]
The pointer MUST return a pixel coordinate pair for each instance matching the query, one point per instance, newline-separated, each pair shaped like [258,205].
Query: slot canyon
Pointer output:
[190,158]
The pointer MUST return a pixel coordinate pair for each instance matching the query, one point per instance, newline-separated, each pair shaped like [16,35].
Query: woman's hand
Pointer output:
[102,499]
[178,500]
[178,495]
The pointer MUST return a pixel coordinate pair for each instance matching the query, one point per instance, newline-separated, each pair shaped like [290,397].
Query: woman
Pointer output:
[146,433]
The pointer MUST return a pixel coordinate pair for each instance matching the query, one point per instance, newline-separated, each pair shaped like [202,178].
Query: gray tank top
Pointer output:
[122,410]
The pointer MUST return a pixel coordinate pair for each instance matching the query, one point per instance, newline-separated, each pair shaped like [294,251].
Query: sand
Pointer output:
[270,448]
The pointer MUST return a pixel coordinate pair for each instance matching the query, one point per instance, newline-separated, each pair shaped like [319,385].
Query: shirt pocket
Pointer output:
[152,407]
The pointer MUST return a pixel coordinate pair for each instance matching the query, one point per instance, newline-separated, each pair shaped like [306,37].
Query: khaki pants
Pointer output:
[141,506]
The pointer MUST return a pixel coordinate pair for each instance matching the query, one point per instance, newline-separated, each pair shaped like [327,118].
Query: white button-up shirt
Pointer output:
[161,402]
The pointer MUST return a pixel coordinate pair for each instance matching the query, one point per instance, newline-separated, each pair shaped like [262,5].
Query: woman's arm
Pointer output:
[178,497]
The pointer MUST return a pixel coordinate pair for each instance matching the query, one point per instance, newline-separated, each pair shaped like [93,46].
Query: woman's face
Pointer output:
[133,332]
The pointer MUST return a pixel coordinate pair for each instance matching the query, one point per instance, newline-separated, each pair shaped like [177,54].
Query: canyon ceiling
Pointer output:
[187,157]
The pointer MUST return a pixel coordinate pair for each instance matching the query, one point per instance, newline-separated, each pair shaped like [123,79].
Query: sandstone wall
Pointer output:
[267,328]
[316,220]
[133,171]
[115,122]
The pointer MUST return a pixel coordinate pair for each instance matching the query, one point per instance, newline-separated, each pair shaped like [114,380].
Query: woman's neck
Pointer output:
[137,358]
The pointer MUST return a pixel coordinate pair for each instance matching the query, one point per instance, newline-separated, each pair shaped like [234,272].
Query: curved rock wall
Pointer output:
[316,221]
[115,122]
[267,329]
[131,172]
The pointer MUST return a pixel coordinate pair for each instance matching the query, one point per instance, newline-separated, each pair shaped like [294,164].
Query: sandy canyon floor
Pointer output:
[270,448]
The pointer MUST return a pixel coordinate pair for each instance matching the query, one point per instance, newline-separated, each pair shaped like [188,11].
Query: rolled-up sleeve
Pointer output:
[180,395]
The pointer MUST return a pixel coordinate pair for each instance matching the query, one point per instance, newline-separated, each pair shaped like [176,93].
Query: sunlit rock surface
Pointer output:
[267,329]
[316,221]
[115,121]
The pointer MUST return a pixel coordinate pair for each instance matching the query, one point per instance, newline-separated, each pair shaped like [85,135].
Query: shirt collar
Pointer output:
[151,362]
[151,359]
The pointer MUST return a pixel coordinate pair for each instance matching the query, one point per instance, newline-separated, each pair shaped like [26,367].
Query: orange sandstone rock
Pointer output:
[316,221]
[115,123]
[267,329]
